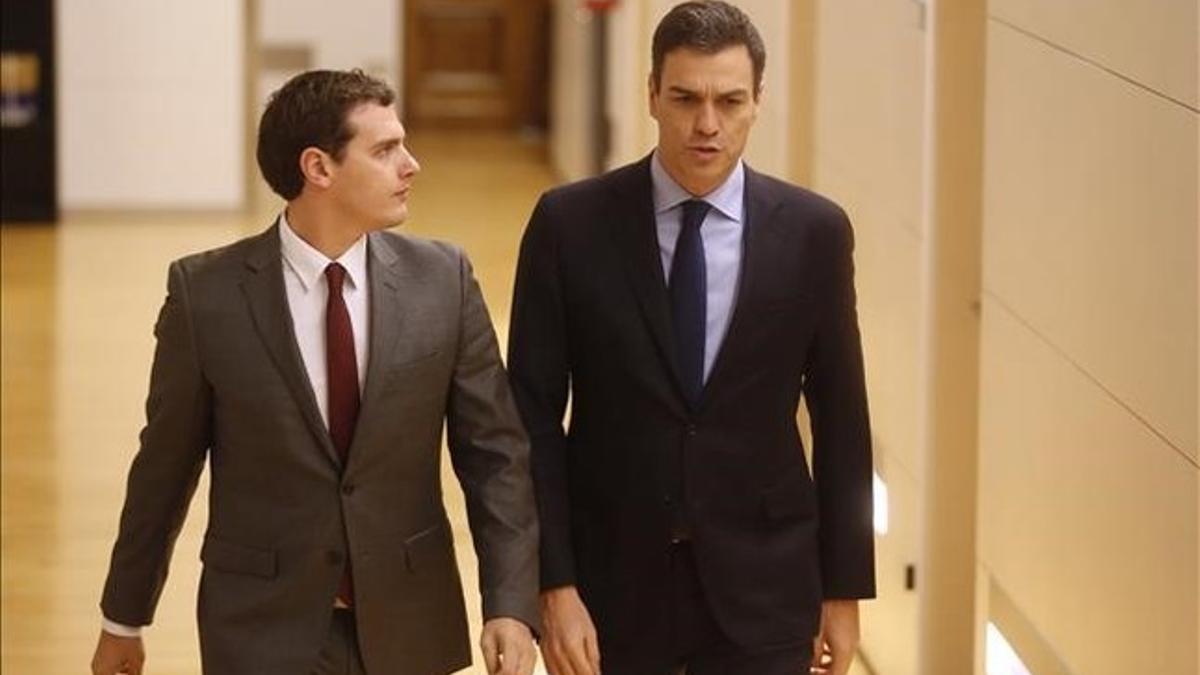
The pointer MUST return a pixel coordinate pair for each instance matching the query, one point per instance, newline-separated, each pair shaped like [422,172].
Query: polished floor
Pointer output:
[79,301]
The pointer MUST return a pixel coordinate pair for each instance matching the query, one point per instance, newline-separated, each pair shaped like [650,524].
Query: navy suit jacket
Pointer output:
[591,319]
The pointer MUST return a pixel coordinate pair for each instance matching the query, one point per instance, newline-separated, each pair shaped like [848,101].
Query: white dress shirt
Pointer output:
[307,293]
[721,232]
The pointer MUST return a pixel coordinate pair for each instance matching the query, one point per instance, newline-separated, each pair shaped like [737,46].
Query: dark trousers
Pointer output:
[340,655]
[697,645]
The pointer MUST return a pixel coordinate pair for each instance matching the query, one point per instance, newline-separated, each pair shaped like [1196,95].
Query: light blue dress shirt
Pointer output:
[721,232]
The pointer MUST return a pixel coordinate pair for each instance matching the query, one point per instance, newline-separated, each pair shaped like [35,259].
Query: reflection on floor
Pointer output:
[79,302]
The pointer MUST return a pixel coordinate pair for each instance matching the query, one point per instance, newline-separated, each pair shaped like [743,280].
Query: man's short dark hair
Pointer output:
[311,111]
[707,26]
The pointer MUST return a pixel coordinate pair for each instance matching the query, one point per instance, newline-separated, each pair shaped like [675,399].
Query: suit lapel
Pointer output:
[759,237]
[263,288]
[636,237]
[386,317]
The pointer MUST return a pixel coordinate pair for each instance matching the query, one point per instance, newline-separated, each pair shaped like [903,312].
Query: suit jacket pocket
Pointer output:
[415,360]
[401,373]
[227,556]
[429,547]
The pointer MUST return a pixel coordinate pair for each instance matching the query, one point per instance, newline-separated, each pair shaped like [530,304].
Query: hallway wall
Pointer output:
[867,155]
[150,104]
[1088,403]
[571,97]
[1088,451]
[362,34]
[359,34]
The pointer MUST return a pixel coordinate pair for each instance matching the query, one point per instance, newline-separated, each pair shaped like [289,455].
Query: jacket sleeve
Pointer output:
[164,473]
[490,453]
[538,364]
[835,392]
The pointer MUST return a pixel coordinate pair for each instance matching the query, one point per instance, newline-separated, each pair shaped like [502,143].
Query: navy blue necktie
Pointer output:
[688,286]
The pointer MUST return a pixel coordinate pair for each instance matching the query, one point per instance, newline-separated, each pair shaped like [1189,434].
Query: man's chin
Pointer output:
[394,219]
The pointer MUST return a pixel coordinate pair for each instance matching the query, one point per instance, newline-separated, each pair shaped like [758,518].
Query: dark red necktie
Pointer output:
[342,374]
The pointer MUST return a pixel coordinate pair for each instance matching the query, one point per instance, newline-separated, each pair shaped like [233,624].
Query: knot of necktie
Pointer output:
[694,211]
[335,274]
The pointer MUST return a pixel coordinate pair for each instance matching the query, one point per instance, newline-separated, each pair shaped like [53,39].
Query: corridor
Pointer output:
[1022,182]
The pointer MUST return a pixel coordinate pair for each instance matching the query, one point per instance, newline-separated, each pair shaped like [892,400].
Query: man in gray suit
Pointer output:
[314,366]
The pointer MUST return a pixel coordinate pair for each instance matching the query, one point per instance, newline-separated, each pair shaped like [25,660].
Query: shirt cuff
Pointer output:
[119,629]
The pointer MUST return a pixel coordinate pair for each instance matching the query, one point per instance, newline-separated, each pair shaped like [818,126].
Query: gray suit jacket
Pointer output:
[284,515]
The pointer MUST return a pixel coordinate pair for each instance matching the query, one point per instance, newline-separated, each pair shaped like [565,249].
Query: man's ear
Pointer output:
[317,167]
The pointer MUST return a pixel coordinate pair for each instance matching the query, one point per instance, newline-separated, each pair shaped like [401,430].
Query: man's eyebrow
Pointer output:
[739,91]
[676,89]
[388,143]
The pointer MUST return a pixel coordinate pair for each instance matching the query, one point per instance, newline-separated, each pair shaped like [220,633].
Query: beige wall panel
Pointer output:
[1152,42]
[889,622]
[1090,224]
[1086,519]
[151,105]
[358,34]
[888,279]
[869,98]
[631,128]
[571,91]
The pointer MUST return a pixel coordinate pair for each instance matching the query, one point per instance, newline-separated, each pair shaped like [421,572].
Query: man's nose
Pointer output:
[706,120]
[409,166]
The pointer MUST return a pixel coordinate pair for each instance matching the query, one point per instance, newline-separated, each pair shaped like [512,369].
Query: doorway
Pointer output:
[476,64]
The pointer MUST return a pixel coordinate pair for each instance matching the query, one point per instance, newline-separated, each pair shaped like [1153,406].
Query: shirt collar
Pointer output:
[309,264]
[726,197]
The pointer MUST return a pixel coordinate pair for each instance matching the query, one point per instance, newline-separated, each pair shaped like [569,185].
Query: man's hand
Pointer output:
[116,654]
[835,645]
[569,645]
[507,647]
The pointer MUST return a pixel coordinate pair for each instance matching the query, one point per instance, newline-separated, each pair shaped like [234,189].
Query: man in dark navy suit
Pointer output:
[684,304]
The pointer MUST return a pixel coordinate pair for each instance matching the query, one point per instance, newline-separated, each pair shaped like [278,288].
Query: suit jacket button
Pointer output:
[348,489]
[334,557]
[691,430]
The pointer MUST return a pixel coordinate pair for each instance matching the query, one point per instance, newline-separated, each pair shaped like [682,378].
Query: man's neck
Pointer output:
[324,231]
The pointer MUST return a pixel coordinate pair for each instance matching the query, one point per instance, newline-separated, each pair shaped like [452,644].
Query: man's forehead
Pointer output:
[374,121]
[729,68]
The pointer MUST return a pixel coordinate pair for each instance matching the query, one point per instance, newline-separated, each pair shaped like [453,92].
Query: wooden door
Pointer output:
[475,63]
